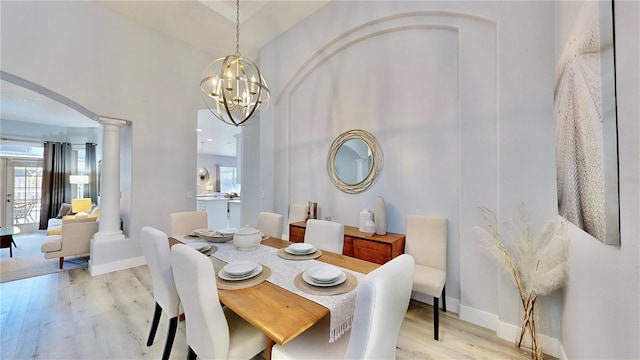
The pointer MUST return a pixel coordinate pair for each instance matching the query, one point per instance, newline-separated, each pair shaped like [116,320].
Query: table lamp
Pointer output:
[81,207]
[77,180]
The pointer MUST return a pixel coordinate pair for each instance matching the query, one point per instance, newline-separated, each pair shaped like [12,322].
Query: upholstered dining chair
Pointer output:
[213,332]
[381,304]
[184,222]
[297,212]
[271,224]
[426,241]
[155,246]
[326,235]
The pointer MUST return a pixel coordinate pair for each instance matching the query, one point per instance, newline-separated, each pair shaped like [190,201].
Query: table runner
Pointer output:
[341,306]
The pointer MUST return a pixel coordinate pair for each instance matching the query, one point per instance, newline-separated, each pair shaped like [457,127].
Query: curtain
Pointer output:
[91,169]
[56,189]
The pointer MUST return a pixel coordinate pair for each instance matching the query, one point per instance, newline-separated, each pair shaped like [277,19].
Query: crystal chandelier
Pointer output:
[232,86]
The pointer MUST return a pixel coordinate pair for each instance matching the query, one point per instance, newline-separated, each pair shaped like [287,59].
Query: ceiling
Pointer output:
[206,25]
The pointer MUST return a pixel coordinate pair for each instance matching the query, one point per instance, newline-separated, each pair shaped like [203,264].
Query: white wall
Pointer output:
[117,68]
[460,96]
[601,315]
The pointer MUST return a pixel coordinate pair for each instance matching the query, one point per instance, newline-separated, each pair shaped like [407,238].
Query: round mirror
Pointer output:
[354,161]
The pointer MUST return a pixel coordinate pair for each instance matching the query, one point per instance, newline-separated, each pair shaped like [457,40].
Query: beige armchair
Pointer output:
[74,239]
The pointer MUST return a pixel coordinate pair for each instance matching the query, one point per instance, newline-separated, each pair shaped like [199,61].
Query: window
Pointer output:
[27,185]
[228,180]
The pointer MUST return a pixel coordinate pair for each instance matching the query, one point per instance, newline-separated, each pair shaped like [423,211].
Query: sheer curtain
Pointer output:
[91,169]
[56,189]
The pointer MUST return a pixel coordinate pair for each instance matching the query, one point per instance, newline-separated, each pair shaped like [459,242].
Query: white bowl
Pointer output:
[240,267]
[247,238]
[301,248]
[324,274]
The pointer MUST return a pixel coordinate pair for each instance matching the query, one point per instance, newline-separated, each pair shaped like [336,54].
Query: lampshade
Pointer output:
[81,206]
[79,179]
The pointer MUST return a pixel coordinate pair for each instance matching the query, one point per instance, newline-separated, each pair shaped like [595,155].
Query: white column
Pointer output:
[109,227]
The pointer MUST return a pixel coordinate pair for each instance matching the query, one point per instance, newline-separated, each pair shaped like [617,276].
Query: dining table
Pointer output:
[279,313]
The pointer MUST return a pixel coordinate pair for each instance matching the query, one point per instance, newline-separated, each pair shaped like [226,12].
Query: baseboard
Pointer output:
[116,265]
[509,332]
[478,317]
[551,346]
[563,354]
[453,305]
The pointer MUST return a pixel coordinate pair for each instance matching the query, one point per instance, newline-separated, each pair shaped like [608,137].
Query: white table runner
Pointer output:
[341,306]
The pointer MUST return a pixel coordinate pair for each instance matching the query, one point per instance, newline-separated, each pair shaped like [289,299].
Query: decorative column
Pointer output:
[109,227]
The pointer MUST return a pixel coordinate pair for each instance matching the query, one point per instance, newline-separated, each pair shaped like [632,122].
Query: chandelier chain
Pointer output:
[237,28]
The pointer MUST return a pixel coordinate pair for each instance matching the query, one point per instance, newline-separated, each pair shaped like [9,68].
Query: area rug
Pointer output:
[29,261]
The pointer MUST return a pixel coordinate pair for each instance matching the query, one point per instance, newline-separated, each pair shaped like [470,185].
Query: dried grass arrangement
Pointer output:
[536,262]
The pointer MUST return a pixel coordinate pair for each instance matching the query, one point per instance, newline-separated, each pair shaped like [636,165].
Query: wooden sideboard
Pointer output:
[376,248]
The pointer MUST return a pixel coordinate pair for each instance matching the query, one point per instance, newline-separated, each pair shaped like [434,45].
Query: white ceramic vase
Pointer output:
[380,216]
[365,215]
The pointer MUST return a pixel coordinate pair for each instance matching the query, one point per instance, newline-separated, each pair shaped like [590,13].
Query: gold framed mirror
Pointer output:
[354,161]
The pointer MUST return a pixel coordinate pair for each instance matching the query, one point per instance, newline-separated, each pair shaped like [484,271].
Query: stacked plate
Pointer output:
[213,235]
[199,245]
[324,275]
[240,270]
[228,231]
[300,249]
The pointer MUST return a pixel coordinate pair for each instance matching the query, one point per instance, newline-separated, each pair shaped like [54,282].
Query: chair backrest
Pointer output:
[326,235]
[76,236]
[297,213]
[155,246]
[381,304]
[271,224]
[183,223]
[426,240]
[207,327]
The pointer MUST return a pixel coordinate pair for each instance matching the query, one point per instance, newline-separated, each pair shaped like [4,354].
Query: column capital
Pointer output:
[111,121]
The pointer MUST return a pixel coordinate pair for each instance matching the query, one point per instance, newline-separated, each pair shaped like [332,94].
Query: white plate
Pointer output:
[224,275]
[200,246]
[324,273]
[309,280]
[240,268]
[300,250]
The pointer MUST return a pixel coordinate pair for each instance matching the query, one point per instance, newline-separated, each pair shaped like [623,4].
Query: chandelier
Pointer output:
[232,86]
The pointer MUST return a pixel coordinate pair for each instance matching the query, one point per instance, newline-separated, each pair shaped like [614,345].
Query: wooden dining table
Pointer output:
[278,313]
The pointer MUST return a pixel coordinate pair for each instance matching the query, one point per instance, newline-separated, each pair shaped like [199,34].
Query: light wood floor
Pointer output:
[71,315]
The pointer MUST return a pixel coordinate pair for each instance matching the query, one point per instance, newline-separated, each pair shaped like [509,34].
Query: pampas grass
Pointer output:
[536,262]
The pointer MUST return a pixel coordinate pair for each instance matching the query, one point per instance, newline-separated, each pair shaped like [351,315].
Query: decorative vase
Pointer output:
[369,227]
[365,215]
[380,216]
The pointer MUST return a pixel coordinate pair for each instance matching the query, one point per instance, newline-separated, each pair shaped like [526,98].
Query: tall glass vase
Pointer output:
[380,216]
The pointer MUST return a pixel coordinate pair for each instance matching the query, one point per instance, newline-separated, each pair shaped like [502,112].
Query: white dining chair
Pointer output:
[182,223]
[326,235]
[297,213]
[155,246]
[213,332]
[271,224]
[426,241]
[381,304]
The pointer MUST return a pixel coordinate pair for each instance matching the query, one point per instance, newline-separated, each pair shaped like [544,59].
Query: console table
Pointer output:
[376,248]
